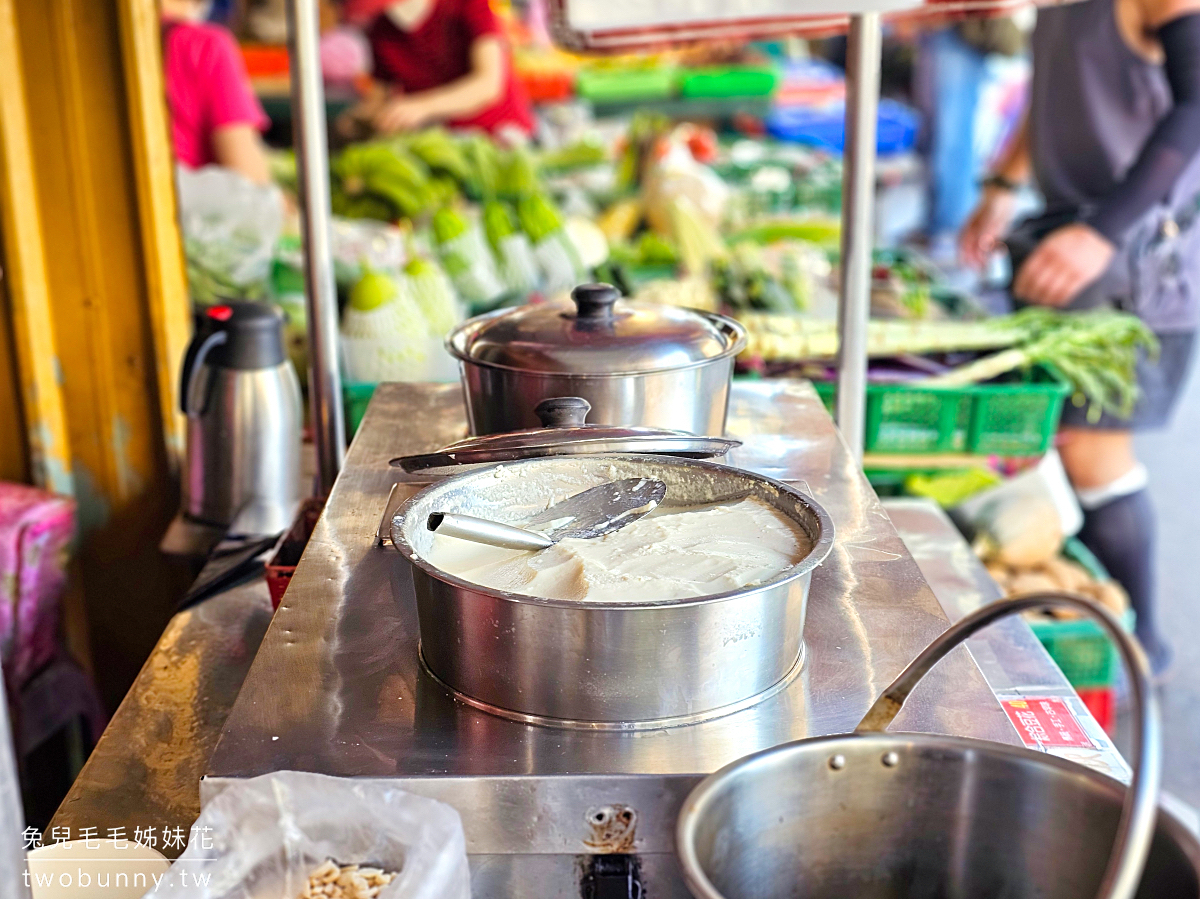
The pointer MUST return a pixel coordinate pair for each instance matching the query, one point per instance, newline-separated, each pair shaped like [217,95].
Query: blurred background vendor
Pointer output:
[215,117]
[438,61]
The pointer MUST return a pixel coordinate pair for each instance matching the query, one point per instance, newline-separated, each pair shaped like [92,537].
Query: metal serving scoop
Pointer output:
[592,513]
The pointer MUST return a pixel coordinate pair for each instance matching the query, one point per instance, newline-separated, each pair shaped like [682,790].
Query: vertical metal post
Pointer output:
[858,201]
[312,163]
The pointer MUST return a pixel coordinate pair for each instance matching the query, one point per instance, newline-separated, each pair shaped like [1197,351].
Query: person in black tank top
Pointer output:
[1112,138]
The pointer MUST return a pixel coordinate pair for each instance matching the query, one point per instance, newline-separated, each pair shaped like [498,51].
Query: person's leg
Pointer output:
[958,74]
[1118,521]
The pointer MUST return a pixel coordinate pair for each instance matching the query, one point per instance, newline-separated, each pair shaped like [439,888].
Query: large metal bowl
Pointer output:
[919,816]
[883,816]
[606,665]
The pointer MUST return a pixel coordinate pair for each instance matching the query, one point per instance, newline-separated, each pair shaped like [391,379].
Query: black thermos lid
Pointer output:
[255,334]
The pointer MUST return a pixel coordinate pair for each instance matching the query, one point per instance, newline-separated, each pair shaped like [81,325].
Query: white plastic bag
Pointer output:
[266,835]
[230,228]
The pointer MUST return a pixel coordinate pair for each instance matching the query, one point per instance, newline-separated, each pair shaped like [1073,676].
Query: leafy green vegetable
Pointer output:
[950,488]
[1097,351]
[384,173]
[517,176]
[650,249]
[538,216]
[825,232]
[438,150]
[578,155]
[742,280]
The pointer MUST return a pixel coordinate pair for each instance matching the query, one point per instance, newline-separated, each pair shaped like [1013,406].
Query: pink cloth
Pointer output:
[207,88]
[35,534]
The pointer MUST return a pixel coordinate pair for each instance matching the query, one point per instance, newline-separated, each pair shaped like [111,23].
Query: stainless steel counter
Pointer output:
[337,687]
[344,692]
[1013,660]
[145,770]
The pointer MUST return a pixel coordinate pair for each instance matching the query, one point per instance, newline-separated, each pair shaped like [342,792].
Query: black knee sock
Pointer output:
[1121,535]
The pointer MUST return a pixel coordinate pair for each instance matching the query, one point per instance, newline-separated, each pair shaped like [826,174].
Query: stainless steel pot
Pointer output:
[637,364]
[913,816]
[596,665]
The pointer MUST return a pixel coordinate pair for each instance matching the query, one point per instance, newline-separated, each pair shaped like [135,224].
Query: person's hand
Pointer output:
[1063,264]
[401,114]
[987,224]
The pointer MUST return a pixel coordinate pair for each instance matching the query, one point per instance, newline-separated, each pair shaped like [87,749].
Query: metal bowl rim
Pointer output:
[694,804]
[734,330]
[819,552]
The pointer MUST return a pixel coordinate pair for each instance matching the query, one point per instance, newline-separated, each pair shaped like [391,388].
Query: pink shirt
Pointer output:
[207,88]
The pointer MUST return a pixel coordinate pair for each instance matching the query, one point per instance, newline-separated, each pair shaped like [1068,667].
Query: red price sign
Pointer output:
[1047,722]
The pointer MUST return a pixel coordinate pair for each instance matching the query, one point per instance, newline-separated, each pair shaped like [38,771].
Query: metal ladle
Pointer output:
[592,513]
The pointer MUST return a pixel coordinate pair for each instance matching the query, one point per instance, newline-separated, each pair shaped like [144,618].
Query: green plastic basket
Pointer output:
[736,81]
[1085,654]
[355,399]
[1081,649]
[620,87]
[1016,418]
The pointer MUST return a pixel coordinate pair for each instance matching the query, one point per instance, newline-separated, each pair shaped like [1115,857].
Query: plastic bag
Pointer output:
[230,228]
[266,835]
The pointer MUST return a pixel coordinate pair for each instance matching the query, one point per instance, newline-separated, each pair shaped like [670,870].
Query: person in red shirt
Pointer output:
[442,61]
[215,117]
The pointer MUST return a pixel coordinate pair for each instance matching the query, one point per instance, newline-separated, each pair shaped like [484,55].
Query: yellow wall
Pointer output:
[98,313]
[14,460]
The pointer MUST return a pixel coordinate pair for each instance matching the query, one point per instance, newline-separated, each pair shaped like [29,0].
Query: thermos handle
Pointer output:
[196,352]
[1139,813]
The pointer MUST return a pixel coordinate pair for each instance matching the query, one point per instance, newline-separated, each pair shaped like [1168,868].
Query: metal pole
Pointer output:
[312,164]
[858,200]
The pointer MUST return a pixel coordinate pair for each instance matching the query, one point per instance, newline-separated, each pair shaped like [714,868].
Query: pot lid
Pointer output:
[565,433]
[599,334]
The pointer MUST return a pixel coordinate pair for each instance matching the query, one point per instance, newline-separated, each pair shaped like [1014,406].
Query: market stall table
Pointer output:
[870,612]
[337,686]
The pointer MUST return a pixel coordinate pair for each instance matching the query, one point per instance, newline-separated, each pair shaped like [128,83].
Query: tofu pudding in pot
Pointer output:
[672,553]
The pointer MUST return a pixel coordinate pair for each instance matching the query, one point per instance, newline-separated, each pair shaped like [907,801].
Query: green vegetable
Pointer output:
[433,294]
[644,131]
[821,231]
[386,174]
[699,243]
[1096,351]
[447,225]
[539,219]
[518,177]
[793,338]
[578,155]
[438,150]
[497,223]
[558,262]
[283,169]
[950,488]
[484,159]
[466,257]
[743,281]
[650,249]
[364,207]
